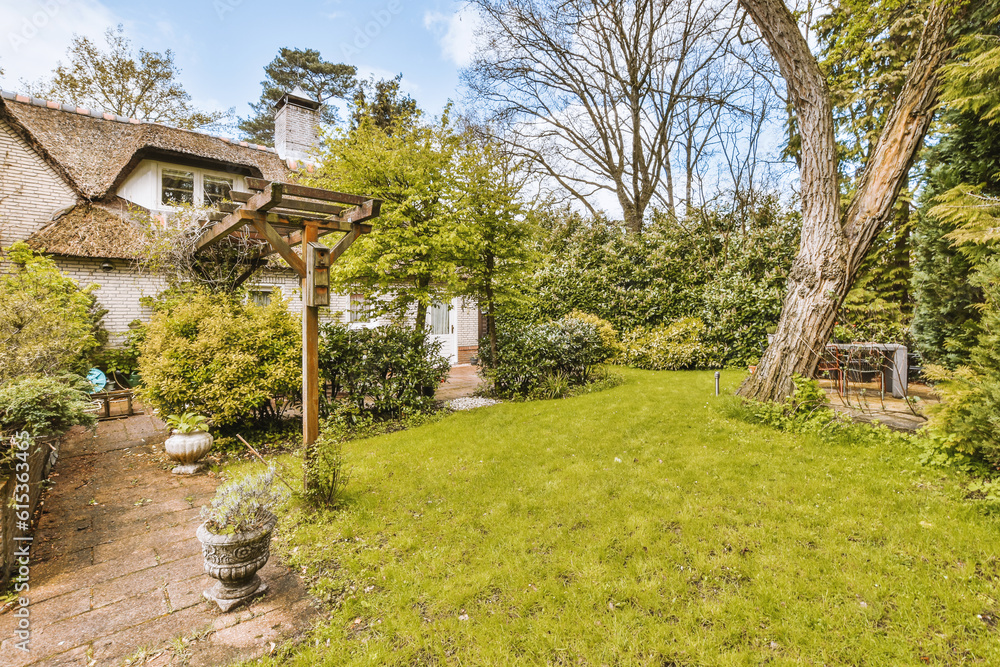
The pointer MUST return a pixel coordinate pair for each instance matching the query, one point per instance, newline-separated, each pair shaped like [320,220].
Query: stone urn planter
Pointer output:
[233,560]
[187,448]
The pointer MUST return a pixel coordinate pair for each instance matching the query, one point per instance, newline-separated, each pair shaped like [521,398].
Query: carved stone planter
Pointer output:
[233,560]
[186,449]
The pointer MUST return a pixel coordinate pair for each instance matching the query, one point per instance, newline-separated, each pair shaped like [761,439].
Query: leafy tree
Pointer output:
[139,85]
[383,102]
[835,241]
[413,254]
[306,68]
[497,256]
[48,324]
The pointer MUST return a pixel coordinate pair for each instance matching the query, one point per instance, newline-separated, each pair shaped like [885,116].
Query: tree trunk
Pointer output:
[420,319]
[832,248]
[491,319]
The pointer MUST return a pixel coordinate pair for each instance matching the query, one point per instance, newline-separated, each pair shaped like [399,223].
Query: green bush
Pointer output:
[727,268]
[968,421]
[673,347]
[48,325]
[222,357]
[43,405]
[553,355]
[389,370]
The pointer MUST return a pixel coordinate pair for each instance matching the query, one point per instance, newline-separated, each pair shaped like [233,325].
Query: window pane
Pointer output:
[216,188]
[359,308]
[260,297]
[437,317]
[178,187]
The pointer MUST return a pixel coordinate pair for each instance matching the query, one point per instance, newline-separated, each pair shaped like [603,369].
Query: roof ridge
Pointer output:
[104,115]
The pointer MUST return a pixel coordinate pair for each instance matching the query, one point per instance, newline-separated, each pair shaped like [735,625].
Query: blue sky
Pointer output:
[221,46]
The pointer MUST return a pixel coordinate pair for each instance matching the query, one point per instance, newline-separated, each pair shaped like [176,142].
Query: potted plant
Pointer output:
[189,442]
[236,537]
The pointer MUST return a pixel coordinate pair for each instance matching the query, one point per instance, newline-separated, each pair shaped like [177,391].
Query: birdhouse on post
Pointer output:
[317,275]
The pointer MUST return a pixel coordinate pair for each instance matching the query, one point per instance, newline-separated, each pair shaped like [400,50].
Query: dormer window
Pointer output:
[187,186]
[161,186]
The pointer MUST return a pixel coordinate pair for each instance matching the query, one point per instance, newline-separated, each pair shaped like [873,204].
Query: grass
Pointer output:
[640,526]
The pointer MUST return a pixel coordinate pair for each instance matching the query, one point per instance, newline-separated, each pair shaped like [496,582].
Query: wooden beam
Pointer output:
[279,245]
[242,197]
[311,206]
[344,243]
[231,223]
[227,206]
[369,209]
[257,184]
[310,374]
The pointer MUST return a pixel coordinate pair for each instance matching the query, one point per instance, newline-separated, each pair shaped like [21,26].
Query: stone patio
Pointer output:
[116,570]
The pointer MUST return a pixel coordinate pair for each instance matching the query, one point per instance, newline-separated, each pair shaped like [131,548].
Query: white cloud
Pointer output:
[36,34]
[456,33]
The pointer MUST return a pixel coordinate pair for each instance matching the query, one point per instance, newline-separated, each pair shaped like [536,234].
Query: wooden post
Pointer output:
[310,368]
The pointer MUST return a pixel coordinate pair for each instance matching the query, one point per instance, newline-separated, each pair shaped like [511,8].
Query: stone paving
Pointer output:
[462,381]
[116,571]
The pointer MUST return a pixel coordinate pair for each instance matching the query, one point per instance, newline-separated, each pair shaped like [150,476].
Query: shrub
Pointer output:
[560,352]
[609,337]
[44,405]
[389,371]
[676,346]
[48,325]
[217,355]
[968,420]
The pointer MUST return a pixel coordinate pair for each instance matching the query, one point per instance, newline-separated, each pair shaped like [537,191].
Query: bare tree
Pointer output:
[598,93]
[833,243]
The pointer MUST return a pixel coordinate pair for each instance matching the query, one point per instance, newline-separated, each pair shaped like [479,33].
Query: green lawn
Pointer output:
[640,526]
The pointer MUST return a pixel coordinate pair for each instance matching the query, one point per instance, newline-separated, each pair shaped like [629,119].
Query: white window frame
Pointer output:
[199,188]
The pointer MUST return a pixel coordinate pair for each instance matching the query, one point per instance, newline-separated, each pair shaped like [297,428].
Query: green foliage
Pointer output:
[48,324]
[45,405]
[291,68]
[219,356]
[968,420]
[383,103]
[675,346]
[412,256]
[556,355]
[609,337]
[244,505]
[957,204]
[188,422]
[139,85]
[727,269]
[328,473]
[388,371]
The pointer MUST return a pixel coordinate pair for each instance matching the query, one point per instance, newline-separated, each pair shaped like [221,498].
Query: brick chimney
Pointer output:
[296,117]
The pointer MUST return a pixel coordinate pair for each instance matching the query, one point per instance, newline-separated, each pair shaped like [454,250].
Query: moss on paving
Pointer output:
[640,526]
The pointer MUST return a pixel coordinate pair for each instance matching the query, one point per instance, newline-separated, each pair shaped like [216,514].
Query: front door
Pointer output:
[442,318]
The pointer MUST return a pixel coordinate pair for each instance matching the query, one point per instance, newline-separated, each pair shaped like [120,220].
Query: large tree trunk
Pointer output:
[833,247]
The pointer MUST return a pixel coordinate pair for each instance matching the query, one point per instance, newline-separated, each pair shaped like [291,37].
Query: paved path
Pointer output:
[116,572]
[462,381]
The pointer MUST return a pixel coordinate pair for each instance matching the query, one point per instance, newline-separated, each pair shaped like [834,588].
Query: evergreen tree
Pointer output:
[383,102]
[946,318]
[323,81]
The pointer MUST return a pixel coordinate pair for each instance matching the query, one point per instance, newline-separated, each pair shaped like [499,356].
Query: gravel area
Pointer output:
[470,402]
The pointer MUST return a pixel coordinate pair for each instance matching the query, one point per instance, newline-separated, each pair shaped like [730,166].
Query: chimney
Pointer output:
[296,117]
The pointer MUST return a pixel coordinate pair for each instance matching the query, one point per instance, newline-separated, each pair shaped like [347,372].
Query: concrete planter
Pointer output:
[233,561]
[186,449]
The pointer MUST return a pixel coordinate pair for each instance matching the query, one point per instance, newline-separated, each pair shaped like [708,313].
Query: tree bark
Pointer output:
[833,246]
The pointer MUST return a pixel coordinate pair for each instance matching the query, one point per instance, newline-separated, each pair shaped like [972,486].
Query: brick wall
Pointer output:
[119,290]
[30,190]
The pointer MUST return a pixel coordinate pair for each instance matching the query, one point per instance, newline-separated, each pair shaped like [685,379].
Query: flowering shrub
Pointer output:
[672,347]
[245,504]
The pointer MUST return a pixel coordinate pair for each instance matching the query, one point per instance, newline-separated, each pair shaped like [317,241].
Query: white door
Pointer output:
[442,318]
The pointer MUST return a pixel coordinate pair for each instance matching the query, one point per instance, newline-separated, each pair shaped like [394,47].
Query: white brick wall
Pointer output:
[119,290]
[468,323]
[30,190]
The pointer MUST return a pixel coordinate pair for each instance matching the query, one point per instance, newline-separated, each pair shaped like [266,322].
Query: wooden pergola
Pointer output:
[286,215]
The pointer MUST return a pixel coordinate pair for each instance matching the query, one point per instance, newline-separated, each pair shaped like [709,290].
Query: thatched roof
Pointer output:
[96,151]
[91,230]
